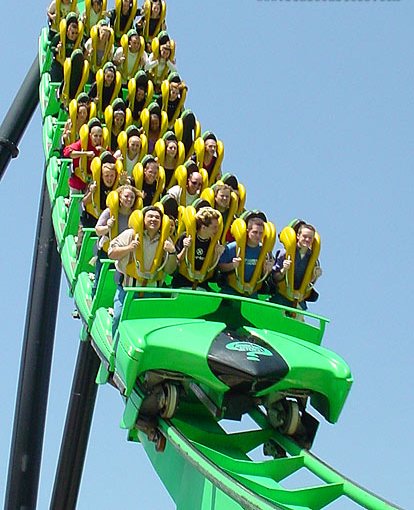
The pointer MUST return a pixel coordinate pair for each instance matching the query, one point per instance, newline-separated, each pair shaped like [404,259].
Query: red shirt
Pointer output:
[75,181]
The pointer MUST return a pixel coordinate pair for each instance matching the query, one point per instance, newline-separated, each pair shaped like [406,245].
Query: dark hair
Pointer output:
[209,135]
[151,208]
[94,122]
[308,226]
[147,160]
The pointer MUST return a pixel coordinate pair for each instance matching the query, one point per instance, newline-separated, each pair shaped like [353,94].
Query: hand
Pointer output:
[123,178]
[133,245]
[169,246]
[267,266]
[187,242]
[218,250]
[111,222]
[89,154]
[92,187]
[236,262]
[317,272]
[286,265]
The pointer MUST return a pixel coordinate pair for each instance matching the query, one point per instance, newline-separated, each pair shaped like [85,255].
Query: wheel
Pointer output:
[292,418]
[170,401]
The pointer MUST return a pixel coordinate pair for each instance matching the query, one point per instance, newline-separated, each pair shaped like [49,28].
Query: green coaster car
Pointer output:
[231,353]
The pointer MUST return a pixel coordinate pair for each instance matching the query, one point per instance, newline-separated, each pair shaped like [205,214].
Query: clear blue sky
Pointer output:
[314,103]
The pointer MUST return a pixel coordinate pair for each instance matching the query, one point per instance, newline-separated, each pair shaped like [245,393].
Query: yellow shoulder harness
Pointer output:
[136,266]
[118,10]
[99,87]
[208,194]
[288,238]
[66,96]
[88,8]
[93,207]
[165,93]
[179,132]
[109,44]
[199,150]
[125,48]
[61,55]
[187,264]
[236,280]
[160,23]
[82,170]
[138,176]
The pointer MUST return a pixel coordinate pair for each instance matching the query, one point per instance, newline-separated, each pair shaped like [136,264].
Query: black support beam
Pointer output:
[18,116]
[35,366]
[77,428]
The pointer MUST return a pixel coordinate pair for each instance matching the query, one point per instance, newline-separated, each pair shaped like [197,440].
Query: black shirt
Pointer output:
[149,190]
[200,253]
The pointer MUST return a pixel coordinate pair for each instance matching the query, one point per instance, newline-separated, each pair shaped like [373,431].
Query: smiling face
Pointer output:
[97,6]
[134,43]
[194,183]
[140,94]
[109,77]
[134,146]
[126,198]
[119,119]
[305,238]
[96,135]
[171,148]
[152,221]
[155,10]
[82,114]
[222,199]
[255,231]
[165,52]
[72,31]
[151,172]
[108,174]
[209,231]
[174,92]
[154,126]
[210,147]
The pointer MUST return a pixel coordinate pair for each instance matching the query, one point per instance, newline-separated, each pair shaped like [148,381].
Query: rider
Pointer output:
[250,257]
[298,264]
[123,247]
[192,189]
[194,253]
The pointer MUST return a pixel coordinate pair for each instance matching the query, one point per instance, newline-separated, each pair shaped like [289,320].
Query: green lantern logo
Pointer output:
[253,351]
